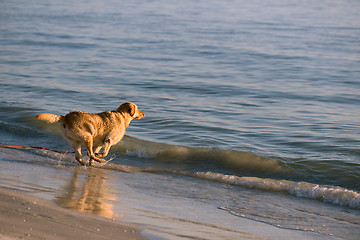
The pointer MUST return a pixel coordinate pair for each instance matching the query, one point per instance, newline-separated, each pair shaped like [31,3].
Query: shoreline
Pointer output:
[27,217]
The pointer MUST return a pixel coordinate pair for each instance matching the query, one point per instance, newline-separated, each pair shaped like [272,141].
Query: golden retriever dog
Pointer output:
[95,131]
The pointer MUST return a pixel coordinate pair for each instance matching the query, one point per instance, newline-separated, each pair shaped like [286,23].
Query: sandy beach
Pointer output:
[25,217]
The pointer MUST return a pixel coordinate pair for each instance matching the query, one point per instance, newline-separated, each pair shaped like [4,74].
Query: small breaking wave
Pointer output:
[238,163]
[202,159]
[329,194]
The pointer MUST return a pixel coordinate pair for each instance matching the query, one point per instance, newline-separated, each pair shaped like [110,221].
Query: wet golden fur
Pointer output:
[95,131]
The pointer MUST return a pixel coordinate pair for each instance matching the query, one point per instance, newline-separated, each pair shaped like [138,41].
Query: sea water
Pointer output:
[251,107]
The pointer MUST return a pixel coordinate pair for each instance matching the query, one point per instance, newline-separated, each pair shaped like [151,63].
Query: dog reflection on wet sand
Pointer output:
[86,192]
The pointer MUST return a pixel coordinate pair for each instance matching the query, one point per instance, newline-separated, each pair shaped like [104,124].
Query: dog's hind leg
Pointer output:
[77,147]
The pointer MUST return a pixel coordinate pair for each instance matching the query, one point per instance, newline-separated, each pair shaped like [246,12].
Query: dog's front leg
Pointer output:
[106,147]
[90,152]
[97,150]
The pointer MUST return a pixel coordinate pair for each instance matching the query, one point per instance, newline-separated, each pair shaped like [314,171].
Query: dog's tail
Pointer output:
[49,117]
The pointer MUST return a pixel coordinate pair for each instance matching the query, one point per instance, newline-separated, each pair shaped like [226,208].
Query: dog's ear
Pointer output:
[128,107]
[132,109]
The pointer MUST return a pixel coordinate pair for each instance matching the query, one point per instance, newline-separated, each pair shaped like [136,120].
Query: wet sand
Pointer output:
[25,217]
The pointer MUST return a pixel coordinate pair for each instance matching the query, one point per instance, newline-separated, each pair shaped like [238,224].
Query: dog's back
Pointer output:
[84,123]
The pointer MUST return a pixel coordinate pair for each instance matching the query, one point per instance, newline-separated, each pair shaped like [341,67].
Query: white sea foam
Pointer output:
[331,194]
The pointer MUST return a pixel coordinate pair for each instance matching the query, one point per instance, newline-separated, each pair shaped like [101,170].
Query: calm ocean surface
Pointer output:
[244,99]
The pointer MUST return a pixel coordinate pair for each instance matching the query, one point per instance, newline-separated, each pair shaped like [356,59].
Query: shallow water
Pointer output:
[250,97]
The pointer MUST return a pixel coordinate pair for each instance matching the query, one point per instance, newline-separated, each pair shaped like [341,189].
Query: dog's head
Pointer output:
[131,109]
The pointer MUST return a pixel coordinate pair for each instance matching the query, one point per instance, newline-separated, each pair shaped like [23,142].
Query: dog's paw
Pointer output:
[81,161]
[100,160]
